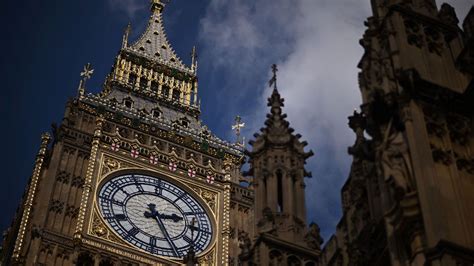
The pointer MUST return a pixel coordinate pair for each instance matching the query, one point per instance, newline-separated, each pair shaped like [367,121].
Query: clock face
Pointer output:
[155,215]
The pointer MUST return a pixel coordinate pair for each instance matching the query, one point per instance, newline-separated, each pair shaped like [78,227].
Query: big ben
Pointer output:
[131,176]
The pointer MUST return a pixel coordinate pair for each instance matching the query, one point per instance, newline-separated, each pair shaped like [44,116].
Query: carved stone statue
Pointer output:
[396,162]
[313,238]
[245,244]
[267,223]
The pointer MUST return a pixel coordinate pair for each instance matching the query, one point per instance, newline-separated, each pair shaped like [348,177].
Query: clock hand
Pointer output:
[155,214]
[163,216]
[173,217]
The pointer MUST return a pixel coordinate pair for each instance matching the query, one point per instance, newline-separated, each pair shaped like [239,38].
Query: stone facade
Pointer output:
[408,198]
[145,121]
[277,160]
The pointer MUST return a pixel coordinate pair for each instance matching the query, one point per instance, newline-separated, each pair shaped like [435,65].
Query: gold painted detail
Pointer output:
[110,164]
[152,155]
[205,146]
[100,230]
[121,252]
[89,175]
[45,138]
[208,259]
[210,199]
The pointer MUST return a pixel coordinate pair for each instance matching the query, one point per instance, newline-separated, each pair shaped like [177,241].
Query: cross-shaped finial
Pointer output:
[87,72]
[237,127]
[273,81]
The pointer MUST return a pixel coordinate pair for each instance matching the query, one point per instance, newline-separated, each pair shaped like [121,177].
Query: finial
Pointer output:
[158,5]
[127,32]
[194,57]
[237,127]
[273,80]
[86,75]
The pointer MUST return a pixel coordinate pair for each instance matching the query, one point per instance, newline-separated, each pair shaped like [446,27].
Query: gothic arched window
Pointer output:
[85,259]
[106,262]
[279,175]
[293,261]
[143,83]
[275,258]
[154,86]
[132,79]
[176,94]
[165,91]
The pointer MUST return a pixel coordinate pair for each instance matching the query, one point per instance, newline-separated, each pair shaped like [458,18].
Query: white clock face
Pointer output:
[155,215]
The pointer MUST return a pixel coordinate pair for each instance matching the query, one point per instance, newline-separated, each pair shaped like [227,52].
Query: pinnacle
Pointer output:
[277,132]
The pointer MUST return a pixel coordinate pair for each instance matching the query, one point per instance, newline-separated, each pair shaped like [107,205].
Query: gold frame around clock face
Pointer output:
[131,233]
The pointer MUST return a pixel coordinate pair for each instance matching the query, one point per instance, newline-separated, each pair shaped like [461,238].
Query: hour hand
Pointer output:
[152,213]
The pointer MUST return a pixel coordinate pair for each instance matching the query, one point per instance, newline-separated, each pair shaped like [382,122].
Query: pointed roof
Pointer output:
[153,43]
[277,131]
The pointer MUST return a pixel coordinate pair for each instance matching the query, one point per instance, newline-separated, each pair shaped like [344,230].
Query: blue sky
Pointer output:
[315,43]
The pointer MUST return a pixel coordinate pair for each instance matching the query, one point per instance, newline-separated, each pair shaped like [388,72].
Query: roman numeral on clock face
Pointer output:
[187,239]
[153,241]
[133,232]
[120,217]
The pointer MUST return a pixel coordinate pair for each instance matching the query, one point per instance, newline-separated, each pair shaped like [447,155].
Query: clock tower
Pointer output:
[131,176]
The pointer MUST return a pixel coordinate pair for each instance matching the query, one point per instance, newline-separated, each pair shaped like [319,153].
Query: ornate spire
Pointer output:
[194,61]
[277,131]
[127,32]
[153,43]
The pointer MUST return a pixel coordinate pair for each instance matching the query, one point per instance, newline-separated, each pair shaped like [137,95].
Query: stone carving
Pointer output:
[448,15]
[36,232]
[77,181]
[210,199]
[413,31]
[434,40]
[396,162]
[99,229]
[245,244]
[72,211]
[208,259]
[313,238]
[110,165]
[441,156]
[63,177]
[267,223]
[466,165]
[56,206]
[459,129]
[434,124]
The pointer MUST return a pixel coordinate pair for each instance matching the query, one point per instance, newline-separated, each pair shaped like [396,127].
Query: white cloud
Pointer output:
[318,54]
[316,44]
[130,7]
